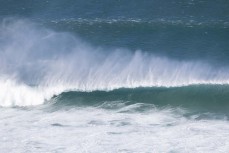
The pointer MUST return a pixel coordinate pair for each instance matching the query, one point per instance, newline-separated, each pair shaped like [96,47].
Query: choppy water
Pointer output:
[114,76]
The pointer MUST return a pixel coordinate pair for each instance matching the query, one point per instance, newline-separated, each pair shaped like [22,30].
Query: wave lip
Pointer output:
[206,95]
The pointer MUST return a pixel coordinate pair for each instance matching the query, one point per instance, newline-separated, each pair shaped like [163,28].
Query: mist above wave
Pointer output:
[42,62]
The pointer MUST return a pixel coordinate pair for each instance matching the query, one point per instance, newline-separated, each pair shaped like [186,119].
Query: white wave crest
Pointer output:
[39,63]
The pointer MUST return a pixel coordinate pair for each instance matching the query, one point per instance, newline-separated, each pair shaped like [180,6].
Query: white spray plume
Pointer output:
[36,63]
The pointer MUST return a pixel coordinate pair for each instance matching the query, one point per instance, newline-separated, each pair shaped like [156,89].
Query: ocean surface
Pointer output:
[114,76]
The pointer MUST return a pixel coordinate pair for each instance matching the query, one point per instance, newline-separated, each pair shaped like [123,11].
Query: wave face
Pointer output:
[37,63]
[195,98]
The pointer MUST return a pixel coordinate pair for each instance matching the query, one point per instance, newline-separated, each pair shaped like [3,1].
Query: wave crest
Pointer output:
[39,63]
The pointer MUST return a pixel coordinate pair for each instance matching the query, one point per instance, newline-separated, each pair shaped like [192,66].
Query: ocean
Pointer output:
[114,76]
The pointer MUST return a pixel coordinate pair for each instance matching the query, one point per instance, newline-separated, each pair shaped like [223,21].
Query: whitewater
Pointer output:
[114,76]
[38,63]
[60,93]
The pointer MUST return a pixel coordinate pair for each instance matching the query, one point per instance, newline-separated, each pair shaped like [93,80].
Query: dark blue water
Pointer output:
[204,10]
[190,29]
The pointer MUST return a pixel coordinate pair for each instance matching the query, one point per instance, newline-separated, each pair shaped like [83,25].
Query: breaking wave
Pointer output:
[37,63]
